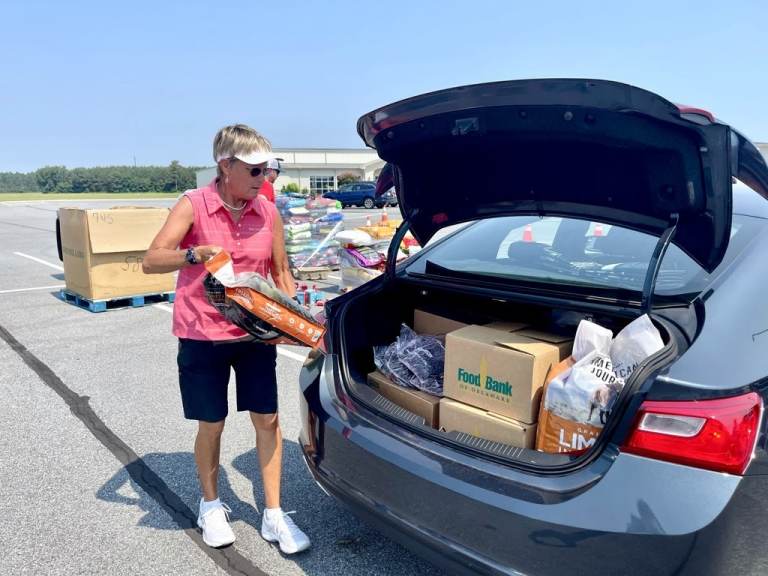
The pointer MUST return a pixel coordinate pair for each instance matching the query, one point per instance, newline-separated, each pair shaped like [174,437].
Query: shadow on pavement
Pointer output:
[165,487]
[341,543]
[173,478]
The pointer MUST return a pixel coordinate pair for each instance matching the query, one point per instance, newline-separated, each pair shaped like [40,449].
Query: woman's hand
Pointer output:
[205,253]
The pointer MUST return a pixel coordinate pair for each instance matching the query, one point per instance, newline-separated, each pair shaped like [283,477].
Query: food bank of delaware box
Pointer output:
[483,424]
[103,251]
[501,368]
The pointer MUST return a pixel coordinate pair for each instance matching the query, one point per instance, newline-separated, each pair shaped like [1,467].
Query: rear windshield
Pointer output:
[575,252]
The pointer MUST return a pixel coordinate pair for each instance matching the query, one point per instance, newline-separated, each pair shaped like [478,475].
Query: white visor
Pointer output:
[256,157]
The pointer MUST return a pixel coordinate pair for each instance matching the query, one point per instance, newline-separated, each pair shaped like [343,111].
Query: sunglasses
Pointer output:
[255,171]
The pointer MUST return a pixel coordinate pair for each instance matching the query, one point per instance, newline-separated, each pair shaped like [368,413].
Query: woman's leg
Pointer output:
[257,393]
[207,449]
[269,443]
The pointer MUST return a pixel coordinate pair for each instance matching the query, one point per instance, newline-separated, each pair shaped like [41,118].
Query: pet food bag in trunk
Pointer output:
[580,391]
[254,304]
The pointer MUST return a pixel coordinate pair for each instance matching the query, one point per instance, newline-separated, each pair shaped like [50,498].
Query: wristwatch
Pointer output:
[190,256]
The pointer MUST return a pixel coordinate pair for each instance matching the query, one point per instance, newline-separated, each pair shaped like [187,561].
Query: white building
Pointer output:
[317,169]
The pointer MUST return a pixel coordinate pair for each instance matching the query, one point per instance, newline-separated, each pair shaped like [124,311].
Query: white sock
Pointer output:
[273,513]
[205,506]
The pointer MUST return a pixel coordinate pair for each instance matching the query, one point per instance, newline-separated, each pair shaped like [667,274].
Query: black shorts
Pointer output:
[204,368]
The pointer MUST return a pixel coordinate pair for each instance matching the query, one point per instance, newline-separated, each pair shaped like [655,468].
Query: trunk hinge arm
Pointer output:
[655,264]
[394,246]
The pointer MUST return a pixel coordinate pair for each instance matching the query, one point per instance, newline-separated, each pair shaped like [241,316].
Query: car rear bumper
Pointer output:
[620,515]
[426,544]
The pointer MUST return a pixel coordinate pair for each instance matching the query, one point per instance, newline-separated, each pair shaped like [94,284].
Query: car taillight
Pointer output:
[714,434]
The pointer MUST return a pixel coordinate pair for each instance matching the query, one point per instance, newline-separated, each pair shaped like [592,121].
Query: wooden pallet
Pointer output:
[115,303]
[310,273]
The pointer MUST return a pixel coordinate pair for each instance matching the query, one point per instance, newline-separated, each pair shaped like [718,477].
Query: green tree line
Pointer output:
[102,179]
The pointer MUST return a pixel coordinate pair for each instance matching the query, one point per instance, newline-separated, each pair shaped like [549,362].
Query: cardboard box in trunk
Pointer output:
[420,403]
[501,369]
[103,251]
[416,401]
[483,424]
[428,323]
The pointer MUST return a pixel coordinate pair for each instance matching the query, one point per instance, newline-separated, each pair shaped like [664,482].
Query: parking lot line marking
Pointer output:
[55,287]
[56,266]
[291,355]
[280,349]
[228,559]
[333,277]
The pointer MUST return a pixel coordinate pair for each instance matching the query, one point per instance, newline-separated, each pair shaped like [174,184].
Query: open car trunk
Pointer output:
[563,148]
[386,305]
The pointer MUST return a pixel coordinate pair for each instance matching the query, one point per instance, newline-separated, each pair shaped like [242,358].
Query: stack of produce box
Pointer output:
[310,225]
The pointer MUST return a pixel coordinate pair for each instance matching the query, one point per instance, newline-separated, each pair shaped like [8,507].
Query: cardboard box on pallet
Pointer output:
[501,368]
[416,401]
[483,424]
[103,251]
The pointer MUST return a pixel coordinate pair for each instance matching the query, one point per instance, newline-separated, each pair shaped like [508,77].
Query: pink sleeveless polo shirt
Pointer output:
[248,240]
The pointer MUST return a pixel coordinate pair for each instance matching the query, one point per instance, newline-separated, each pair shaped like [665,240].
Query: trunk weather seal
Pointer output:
[655,264]
[394,248]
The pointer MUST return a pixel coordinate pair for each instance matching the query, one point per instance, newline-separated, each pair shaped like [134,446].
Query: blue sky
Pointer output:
[102,83]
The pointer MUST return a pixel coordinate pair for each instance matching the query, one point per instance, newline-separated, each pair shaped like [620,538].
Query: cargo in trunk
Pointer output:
[546,330]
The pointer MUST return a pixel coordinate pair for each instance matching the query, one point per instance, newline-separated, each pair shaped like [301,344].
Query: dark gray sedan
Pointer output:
[596,200]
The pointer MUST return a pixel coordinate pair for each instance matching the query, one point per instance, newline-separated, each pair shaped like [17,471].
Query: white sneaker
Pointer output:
[282,530]
[215,526]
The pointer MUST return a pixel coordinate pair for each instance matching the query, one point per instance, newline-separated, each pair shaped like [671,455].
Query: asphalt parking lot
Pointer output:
[97,468]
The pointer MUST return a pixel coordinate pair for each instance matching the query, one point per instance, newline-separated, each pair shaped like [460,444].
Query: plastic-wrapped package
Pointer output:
[310,225]
[365,256]
[298,237]
[424,356]
[638,340]
[324,203]
[291,229]
[387,358]
[354,238]
[589,337]
[413,361]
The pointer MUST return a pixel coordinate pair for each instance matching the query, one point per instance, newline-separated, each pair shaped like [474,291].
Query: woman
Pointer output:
[229,213]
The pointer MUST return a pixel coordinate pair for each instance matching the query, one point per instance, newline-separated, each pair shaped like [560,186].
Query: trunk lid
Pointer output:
[581,148]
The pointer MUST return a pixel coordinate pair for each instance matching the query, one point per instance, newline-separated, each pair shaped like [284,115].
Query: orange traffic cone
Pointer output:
[598,230]
[384,216]
[368,221]
[528,233]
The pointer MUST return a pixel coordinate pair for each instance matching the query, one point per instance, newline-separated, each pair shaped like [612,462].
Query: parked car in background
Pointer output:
[597,200]
[359,194]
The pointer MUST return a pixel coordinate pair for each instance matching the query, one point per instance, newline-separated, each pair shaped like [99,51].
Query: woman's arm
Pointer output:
[163,254]
[281,270]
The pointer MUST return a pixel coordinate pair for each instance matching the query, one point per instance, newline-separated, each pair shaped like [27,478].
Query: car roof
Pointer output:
[747,202]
